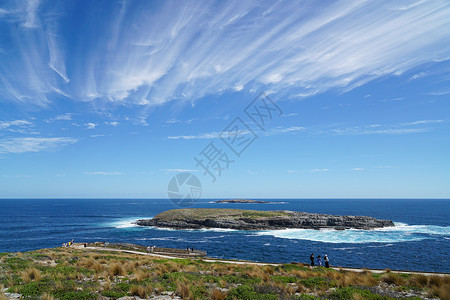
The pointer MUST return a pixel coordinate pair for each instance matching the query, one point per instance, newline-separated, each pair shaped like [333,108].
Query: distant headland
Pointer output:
[241,219]
[244,201]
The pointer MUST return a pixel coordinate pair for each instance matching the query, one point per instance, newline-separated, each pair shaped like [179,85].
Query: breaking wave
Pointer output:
[401,232]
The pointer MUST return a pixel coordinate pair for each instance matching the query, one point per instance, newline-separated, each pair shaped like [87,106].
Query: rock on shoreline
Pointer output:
[240,219]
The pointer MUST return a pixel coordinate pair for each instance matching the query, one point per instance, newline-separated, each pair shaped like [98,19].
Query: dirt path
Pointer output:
[256,263]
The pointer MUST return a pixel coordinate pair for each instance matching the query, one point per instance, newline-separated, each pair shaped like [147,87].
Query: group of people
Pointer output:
[326,260]
[64,245]
[150,249]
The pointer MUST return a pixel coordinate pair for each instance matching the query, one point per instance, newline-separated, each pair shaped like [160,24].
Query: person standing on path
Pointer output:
[327,261]
[319,261]
[312,259]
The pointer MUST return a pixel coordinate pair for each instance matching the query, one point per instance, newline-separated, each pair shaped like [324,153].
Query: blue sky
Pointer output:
[114,98]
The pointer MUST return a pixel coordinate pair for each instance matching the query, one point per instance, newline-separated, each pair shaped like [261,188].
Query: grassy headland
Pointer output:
[71,273]
[216,213]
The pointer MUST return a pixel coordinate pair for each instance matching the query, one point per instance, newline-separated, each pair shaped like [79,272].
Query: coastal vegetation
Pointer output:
[216,213]
[78,273]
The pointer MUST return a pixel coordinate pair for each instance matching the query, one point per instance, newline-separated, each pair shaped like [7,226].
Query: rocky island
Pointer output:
[241,219]
[244,201]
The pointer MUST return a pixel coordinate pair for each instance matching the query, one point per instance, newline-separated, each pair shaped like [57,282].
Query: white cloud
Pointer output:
[418,75]
[63,117]
[21,145]
[18,123]
[357,169]
[215,134]
[104,173]
[440,93]
[292,47]
[3,12]
[393,99]
[113,123]
[173,121]
[178,170]
[364,131]
[90,125]
[31,20]
[319,170]
[420,122]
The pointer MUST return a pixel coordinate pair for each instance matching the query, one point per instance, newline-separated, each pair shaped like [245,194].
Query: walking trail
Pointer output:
[255,263]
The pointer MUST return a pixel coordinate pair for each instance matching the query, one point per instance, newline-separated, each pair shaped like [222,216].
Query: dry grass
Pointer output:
[161,269]
[257,273]
[116,269]
[31,274]
[46,296]
[269,270]
[2,295]
[217,294]
[140,275]
[183,289]
[392,278]
[138,290]
[90,263]
[441,292]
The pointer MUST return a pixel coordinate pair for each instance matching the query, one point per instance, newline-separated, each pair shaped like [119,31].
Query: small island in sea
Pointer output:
[241,219]
[243,201]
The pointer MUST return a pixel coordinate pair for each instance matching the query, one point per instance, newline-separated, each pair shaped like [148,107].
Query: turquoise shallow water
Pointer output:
[419,241]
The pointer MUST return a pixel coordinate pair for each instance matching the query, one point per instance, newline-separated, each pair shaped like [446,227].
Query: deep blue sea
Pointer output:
[420,240]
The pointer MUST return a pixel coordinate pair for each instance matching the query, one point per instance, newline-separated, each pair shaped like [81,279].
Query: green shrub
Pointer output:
[347,293]
[290,267]
[306,297]
[114,294]
[246,292]
[240,279]
[284,279]
[16,263]
[34,288]
[123,286]
[316,282]
[73,295]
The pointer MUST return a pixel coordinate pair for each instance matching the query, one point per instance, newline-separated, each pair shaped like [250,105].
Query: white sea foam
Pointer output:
[126,223]
[399,233]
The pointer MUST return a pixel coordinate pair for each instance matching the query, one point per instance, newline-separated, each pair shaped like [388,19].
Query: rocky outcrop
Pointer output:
[244,201]
[277,220]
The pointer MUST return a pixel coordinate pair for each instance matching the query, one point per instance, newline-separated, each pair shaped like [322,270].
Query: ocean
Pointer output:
[419,241]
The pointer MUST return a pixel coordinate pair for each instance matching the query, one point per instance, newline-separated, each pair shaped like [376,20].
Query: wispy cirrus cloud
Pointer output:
[439,93]
[33,144]
[401,128]
[104,173]
[178,170]
[14,123]
[216,134]
[420,122]
[201,48]
[365,131]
